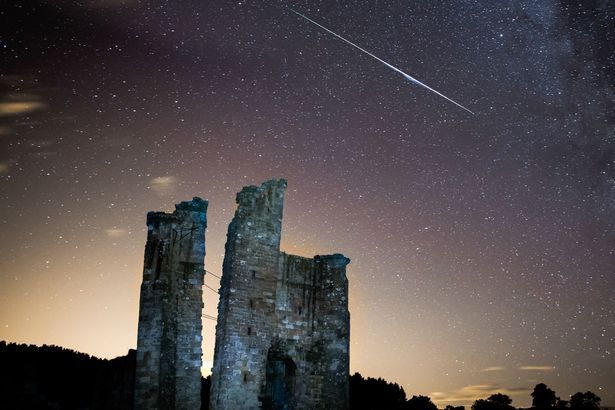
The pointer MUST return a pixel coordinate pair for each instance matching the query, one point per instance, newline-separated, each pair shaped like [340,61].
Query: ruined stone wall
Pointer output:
[246,305]
[282,338]
[168,368]
[314,324]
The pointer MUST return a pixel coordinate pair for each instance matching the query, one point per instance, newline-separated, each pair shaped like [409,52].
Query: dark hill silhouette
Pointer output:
[52,377]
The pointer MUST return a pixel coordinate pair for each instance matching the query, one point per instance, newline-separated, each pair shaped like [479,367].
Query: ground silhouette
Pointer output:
[52,377]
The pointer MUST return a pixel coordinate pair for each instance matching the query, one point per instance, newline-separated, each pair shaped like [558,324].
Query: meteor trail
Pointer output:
[407,76]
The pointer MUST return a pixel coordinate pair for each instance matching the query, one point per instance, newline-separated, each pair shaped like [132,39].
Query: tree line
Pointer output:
[52,377]
[378,394]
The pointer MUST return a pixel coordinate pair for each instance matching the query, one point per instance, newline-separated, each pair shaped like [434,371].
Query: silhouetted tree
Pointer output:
[375,394]
[482,404]
[561,404]
[496,401]
[449,407]
[500,399]
[421,403]
[584,401]
[543,398]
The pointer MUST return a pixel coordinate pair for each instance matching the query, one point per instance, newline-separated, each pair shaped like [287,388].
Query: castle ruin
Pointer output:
[168,368]
[283,331]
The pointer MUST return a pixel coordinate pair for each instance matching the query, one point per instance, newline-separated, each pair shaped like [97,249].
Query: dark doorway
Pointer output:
[280,383]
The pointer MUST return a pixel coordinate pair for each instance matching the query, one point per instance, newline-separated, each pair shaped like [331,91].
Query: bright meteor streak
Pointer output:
[407,76]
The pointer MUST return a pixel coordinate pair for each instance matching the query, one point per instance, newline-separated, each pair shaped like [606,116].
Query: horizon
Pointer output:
[408,394]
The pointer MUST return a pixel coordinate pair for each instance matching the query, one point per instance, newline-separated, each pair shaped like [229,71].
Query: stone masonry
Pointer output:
[282,337]
[168,372]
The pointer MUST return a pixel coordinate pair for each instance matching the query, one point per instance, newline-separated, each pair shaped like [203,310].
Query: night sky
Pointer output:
[482,246]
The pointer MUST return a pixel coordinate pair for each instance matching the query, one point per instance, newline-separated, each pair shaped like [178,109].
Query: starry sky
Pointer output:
[482,246]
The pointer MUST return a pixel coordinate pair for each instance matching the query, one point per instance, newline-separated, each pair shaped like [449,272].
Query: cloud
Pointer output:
[4,167]
[20,95]
[115,232]
[8,108]
[493,369]
[163,185]
[469,394]
[537,368]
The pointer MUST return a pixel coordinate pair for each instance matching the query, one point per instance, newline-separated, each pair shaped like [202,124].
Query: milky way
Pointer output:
[482,246]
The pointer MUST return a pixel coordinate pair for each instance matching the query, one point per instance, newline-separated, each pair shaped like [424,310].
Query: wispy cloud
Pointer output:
[493,369]
[537,368]
[116,232]
[20,95]
[8,108]
[5,166]
[468,394]
[163,185]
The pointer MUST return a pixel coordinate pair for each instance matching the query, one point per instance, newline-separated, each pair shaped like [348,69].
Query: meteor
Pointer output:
[407,76]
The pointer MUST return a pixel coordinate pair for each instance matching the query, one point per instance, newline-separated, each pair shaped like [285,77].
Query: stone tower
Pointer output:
[282,338]
[168,372]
